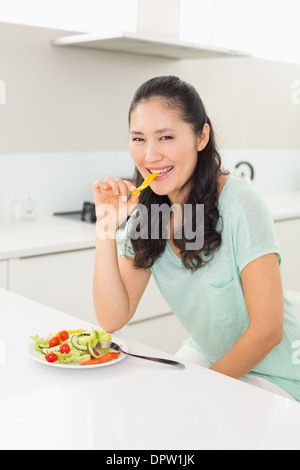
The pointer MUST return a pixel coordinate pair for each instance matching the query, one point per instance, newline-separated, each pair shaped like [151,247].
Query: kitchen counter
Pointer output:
[51,234]
[45,234]
[283,206]
[133,404]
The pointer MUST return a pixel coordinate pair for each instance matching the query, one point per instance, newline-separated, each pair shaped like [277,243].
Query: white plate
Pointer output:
[75,365]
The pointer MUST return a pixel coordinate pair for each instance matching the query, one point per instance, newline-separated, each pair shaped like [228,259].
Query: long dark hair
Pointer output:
[203,183]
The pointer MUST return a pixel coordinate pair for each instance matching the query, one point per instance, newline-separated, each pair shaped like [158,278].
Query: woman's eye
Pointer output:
[137,139]
[166,137]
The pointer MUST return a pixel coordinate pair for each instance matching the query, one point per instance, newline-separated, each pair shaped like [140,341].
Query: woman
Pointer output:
[228,293]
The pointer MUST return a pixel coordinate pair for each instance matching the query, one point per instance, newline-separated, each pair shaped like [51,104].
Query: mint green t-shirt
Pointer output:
[210,302]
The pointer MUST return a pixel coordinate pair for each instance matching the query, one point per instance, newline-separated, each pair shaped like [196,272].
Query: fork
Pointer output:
[169,362]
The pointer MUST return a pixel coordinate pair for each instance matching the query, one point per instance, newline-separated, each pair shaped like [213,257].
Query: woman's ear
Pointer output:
[203,138]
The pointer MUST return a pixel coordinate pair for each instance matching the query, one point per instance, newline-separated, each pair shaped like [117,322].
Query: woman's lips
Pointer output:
[162,176]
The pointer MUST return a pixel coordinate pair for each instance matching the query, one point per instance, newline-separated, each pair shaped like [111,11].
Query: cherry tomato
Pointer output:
[51,357]
[64,348]
[54,341]
[64,335]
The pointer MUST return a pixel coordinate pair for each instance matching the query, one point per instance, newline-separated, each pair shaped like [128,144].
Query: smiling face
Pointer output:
[161,142]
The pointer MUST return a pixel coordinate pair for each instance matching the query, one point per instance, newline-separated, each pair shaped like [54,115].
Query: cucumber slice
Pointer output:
[77,345]
[49,350]
[91,351]
[44,350]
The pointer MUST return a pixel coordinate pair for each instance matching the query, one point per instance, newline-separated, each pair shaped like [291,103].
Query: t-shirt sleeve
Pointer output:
[254,230]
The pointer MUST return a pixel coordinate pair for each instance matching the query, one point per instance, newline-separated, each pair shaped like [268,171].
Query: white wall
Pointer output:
[66,100]
[64,123]
[73,100]
[56,182]
[60,182]
[251,101]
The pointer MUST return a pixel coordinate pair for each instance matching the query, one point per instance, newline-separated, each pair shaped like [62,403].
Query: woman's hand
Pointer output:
[262,288]
[112,205]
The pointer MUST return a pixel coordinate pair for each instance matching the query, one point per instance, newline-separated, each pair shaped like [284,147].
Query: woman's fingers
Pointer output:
[126,205]
[130,186]
[110,183]
[112,190]
[111,197]
[99,186]
[122,189]
[113,185]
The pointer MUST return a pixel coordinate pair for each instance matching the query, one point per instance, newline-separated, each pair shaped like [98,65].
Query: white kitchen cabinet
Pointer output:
[3,274]
[288,236]
[60,280]
[164,332]
[64,282]
[64,15]
[152,303]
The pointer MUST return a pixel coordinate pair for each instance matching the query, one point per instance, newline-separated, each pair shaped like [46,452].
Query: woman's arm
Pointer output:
[264,301]
[117,286]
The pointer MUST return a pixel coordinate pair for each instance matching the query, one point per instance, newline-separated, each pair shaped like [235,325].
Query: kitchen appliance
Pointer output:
[88,211]
[244,170]
[86,214]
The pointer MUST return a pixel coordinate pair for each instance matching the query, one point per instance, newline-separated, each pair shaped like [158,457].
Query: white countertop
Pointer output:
[133,405]
[284,205]
[51,234]
[45,234]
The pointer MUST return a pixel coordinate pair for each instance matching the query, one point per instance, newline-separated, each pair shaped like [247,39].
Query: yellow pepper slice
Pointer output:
[73,332]
[145,183]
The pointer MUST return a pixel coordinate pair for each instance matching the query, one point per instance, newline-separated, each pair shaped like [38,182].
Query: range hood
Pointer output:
[157,34]
[136,43]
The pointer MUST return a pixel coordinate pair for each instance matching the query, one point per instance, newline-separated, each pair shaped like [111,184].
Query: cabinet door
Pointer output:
[3,274]
[164,333]
[152,303]
[64,281]
[288,236]
[61,280]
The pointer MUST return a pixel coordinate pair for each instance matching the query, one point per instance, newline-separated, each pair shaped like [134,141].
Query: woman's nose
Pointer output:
[152,154]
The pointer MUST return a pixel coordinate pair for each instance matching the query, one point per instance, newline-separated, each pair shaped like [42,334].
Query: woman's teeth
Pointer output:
[160,172]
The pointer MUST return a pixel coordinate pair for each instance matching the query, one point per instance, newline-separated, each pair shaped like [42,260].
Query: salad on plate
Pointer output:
[81,347]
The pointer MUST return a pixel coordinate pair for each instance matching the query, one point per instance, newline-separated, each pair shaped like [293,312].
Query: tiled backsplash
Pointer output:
[275,170]
[56,182]
[62,182]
